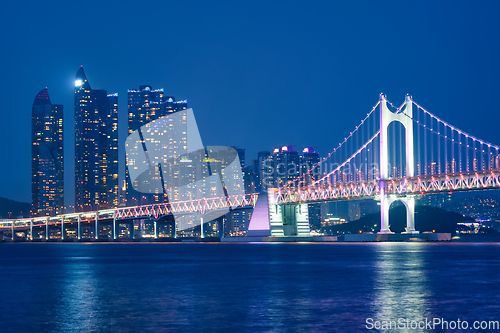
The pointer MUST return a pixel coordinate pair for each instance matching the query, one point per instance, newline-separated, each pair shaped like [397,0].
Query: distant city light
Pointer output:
[78,83]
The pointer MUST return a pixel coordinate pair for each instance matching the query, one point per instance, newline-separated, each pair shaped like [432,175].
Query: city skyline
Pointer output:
[136,117]
[144,105]
[326,60]
[319,166]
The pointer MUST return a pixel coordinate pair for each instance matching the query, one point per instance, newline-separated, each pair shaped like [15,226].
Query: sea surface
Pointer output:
[261,287]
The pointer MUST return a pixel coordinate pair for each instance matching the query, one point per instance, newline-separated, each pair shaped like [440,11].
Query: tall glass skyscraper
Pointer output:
[47,162]
[96,147]
[145,105]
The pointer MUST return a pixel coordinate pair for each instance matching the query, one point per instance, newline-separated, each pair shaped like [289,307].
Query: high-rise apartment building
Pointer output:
[265,170]
[284,164]
[308,160]
[47,162]
[96,147]
[145,105]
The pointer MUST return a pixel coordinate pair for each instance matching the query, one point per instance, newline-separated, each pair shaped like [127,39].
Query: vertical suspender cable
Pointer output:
[460,151]
[445,138]
[432,147]
[452,151]
[467,152]
[425,144]
[418,143]
[438,148]
[401,146]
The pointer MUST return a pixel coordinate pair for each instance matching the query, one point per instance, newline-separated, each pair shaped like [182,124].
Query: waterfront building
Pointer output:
[47,160]
[265,171]
[96,147]
[285,166]
[308,160]
[241,155]
[144,106]
[251,174]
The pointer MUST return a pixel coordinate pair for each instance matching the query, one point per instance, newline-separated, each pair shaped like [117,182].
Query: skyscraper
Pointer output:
[96,147]
[265,177]
[145,105]
[47,162]
[285,166]
[308,160]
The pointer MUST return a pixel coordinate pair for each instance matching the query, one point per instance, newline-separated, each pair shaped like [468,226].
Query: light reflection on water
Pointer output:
[79,299]
[242,287]
[401,285]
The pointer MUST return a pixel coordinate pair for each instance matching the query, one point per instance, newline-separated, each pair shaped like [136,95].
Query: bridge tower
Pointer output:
[386,118]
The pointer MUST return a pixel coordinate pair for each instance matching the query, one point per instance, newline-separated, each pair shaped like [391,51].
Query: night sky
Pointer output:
[257,74]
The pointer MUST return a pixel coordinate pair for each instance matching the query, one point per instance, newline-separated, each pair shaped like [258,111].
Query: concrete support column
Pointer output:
[385,204]
[62,228]
[114,227]
[96,225]
[79,226]
[175,229]
[410,215]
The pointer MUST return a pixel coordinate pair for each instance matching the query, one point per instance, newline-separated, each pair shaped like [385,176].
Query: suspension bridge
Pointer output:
[395,153]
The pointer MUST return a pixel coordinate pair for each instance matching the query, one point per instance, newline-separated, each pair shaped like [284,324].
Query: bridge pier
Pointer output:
[287,220]
[385,204]
[409,203]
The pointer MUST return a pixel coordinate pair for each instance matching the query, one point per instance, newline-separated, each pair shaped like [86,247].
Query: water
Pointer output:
[243,287]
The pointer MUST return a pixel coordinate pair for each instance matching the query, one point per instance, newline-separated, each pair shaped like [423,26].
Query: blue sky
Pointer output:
[257,74]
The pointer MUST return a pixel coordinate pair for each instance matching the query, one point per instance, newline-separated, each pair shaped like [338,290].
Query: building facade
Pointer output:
[283,166]
[144,106]
[47,160]
[308,160]
[96,147]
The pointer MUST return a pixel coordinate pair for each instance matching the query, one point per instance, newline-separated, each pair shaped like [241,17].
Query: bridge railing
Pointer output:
[193,206]
[446,183]
[153,211]
[471,181]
